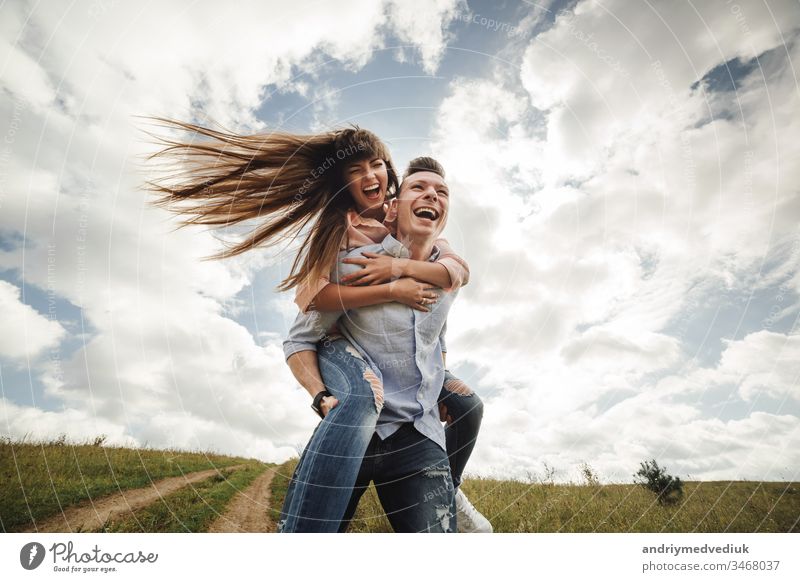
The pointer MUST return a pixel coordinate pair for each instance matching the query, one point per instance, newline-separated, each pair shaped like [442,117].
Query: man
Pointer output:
[400,355]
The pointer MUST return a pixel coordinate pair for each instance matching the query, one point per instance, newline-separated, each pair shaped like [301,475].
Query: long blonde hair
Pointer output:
[288,181]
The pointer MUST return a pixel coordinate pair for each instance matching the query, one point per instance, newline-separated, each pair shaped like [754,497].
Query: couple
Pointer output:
[368,344]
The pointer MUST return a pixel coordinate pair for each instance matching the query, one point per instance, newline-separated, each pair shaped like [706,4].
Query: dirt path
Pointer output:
[248,511]
[90,515]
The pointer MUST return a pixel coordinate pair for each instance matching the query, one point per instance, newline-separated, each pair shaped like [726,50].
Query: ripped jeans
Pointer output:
[412,479]
[320,490]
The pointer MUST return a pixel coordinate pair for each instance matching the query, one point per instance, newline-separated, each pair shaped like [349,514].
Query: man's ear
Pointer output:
[391,211]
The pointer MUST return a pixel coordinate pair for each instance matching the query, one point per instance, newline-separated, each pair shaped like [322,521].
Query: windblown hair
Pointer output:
[423,164]
[288,182]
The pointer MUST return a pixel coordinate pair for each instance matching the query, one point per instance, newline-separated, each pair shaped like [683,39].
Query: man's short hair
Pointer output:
[423,164]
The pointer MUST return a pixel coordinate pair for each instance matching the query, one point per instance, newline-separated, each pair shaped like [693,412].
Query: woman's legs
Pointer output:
[323,480]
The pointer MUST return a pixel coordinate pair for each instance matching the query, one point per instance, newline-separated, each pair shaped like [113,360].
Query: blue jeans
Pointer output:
[320,489]
[326,473]
[412,478]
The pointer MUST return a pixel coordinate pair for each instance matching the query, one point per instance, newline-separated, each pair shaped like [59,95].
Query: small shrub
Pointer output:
[669,489]
[589,475]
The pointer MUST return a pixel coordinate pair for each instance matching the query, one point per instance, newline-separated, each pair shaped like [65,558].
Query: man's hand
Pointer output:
[327,404]
[376,269]
[415,294]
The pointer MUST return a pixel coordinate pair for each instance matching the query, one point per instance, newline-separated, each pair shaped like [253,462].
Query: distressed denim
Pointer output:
[323,480]
[413,482]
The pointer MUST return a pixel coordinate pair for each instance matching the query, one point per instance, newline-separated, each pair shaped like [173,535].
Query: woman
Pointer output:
[330,188]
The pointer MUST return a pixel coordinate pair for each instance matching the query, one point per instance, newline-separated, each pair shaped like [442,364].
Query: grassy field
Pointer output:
[514,506]
[38,478]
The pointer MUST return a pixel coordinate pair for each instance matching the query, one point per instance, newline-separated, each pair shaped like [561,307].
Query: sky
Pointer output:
[624,187]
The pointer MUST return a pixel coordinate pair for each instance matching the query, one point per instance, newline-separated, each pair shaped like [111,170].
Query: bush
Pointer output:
[669,489]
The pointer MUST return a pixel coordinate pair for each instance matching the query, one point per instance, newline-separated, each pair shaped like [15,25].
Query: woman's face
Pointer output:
[367,180]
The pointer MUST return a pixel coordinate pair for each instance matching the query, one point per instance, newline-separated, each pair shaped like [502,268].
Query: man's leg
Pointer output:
[465,413]
[365,475]
[322,485]
[414,484]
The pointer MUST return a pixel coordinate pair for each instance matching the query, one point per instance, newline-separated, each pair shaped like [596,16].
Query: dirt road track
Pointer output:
[248,511]
[90,515]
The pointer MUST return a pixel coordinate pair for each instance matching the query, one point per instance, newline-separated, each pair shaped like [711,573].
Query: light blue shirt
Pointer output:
[402,345]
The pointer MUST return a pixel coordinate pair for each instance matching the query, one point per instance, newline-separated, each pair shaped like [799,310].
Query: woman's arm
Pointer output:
[378,269]
[415,294]
[335,297]
[449,271]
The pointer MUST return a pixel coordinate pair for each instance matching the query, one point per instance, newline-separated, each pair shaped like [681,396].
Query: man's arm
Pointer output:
[305,368]
[299,349]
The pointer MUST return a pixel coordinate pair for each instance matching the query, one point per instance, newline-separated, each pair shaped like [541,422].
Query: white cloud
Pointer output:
[78,424]
[592,221]
[423,24]
[763,364]
[26,333]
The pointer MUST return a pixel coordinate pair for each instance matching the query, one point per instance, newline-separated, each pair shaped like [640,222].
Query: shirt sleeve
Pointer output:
[308,329]
[441,337]
[308,291]
[456,267]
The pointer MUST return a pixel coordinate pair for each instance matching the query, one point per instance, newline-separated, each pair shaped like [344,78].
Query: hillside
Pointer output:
[60,487]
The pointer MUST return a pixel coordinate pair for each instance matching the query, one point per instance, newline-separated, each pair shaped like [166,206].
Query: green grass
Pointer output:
[192,508]
[515,506]
[38,478]
[278,487]
[710,506]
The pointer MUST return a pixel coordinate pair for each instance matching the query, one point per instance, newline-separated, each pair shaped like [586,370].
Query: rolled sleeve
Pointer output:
[308,291]
[307,330]
[456,267]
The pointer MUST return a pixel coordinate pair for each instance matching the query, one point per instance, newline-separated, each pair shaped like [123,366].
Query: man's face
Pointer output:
[422,206]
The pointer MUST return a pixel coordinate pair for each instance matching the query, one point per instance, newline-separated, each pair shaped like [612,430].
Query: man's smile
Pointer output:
[427,212]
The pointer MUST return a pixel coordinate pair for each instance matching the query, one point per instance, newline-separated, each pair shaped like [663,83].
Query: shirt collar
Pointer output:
[395,248]
[355,219]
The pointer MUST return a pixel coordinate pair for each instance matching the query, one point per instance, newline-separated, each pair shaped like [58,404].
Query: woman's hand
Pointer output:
[415,294]
[376,269]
